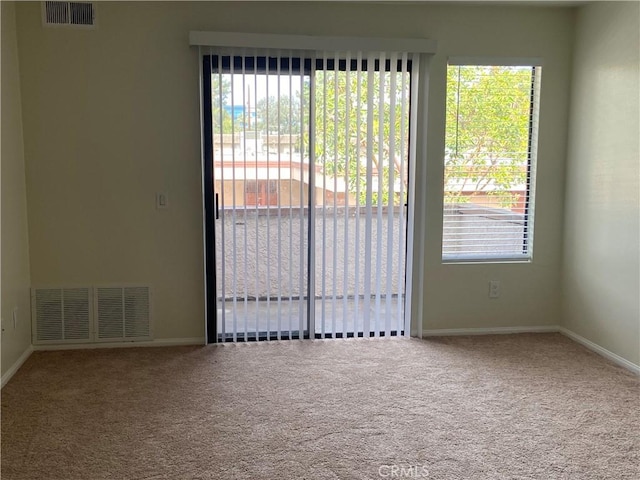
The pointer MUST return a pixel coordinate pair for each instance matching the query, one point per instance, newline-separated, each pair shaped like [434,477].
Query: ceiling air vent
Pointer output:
[79,14]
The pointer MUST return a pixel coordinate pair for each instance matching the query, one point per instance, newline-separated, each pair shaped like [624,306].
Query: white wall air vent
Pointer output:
[90,314]
[78,14]
[61,315]
[123,313]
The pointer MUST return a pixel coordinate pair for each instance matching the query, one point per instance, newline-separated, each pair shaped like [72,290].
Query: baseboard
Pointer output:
[440,332]
[161,342]
[14,368]
[617,359]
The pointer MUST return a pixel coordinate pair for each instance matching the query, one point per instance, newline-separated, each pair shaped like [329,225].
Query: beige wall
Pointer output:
[15,242]
[456,296]
[601,268]
[112,116]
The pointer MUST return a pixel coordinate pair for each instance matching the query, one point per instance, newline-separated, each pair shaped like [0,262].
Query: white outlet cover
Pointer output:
[494,288]
[162,200]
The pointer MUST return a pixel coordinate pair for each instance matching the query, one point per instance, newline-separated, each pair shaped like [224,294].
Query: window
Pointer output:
[489,164]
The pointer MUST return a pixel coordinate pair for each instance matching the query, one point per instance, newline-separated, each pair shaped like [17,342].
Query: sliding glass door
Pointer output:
[306,162]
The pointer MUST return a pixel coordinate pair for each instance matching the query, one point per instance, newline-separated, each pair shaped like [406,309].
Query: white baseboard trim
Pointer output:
[161,342]
[441,332]
[14,368]
[594,347]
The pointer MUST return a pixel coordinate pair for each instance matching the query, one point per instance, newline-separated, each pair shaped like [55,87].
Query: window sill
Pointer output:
[484,261]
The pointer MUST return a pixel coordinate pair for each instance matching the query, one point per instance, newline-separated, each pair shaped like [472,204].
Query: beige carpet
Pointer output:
[495,407]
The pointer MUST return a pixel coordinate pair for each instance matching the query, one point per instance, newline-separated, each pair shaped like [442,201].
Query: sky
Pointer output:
[263,82]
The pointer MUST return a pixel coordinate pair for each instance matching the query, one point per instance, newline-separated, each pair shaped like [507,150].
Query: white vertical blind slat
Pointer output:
[335,196]
[379,203]
[391,252]
[369,197]
[278,179]
[358,166]
[233,214]
[303,266]
[403,210]
[257,257]
[268,122]
[347,136]
[290,309]
[245,259]
[312,251]
[324,196]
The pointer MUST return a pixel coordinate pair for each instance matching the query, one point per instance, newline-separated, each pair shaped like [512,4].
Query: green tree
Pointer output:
[487,131]
[343,126]
[220,94]
[280,115]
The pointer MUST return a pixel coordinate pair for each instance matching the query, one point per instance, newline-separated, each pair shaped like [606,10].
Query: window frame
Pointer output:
[527,255]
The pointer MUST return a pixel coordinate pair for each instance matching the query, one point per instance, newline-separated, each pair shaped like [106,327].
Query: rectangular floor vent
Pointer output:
[79,14]
[122,313]
[61,315]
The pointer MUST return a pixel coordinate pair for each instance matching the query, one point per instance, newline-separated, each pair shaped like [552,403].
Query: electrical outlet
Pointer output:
[494,288]
[162,200]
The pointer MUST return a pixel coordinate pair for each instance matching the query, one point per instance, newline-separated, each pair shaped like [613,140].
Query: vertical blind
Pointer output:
[491,123]
[310,170]
[360,120]
[261,239]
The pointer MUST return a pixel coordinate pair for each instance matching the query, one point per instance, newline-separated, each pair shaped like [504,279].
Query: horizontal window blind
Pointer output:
[491,119]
